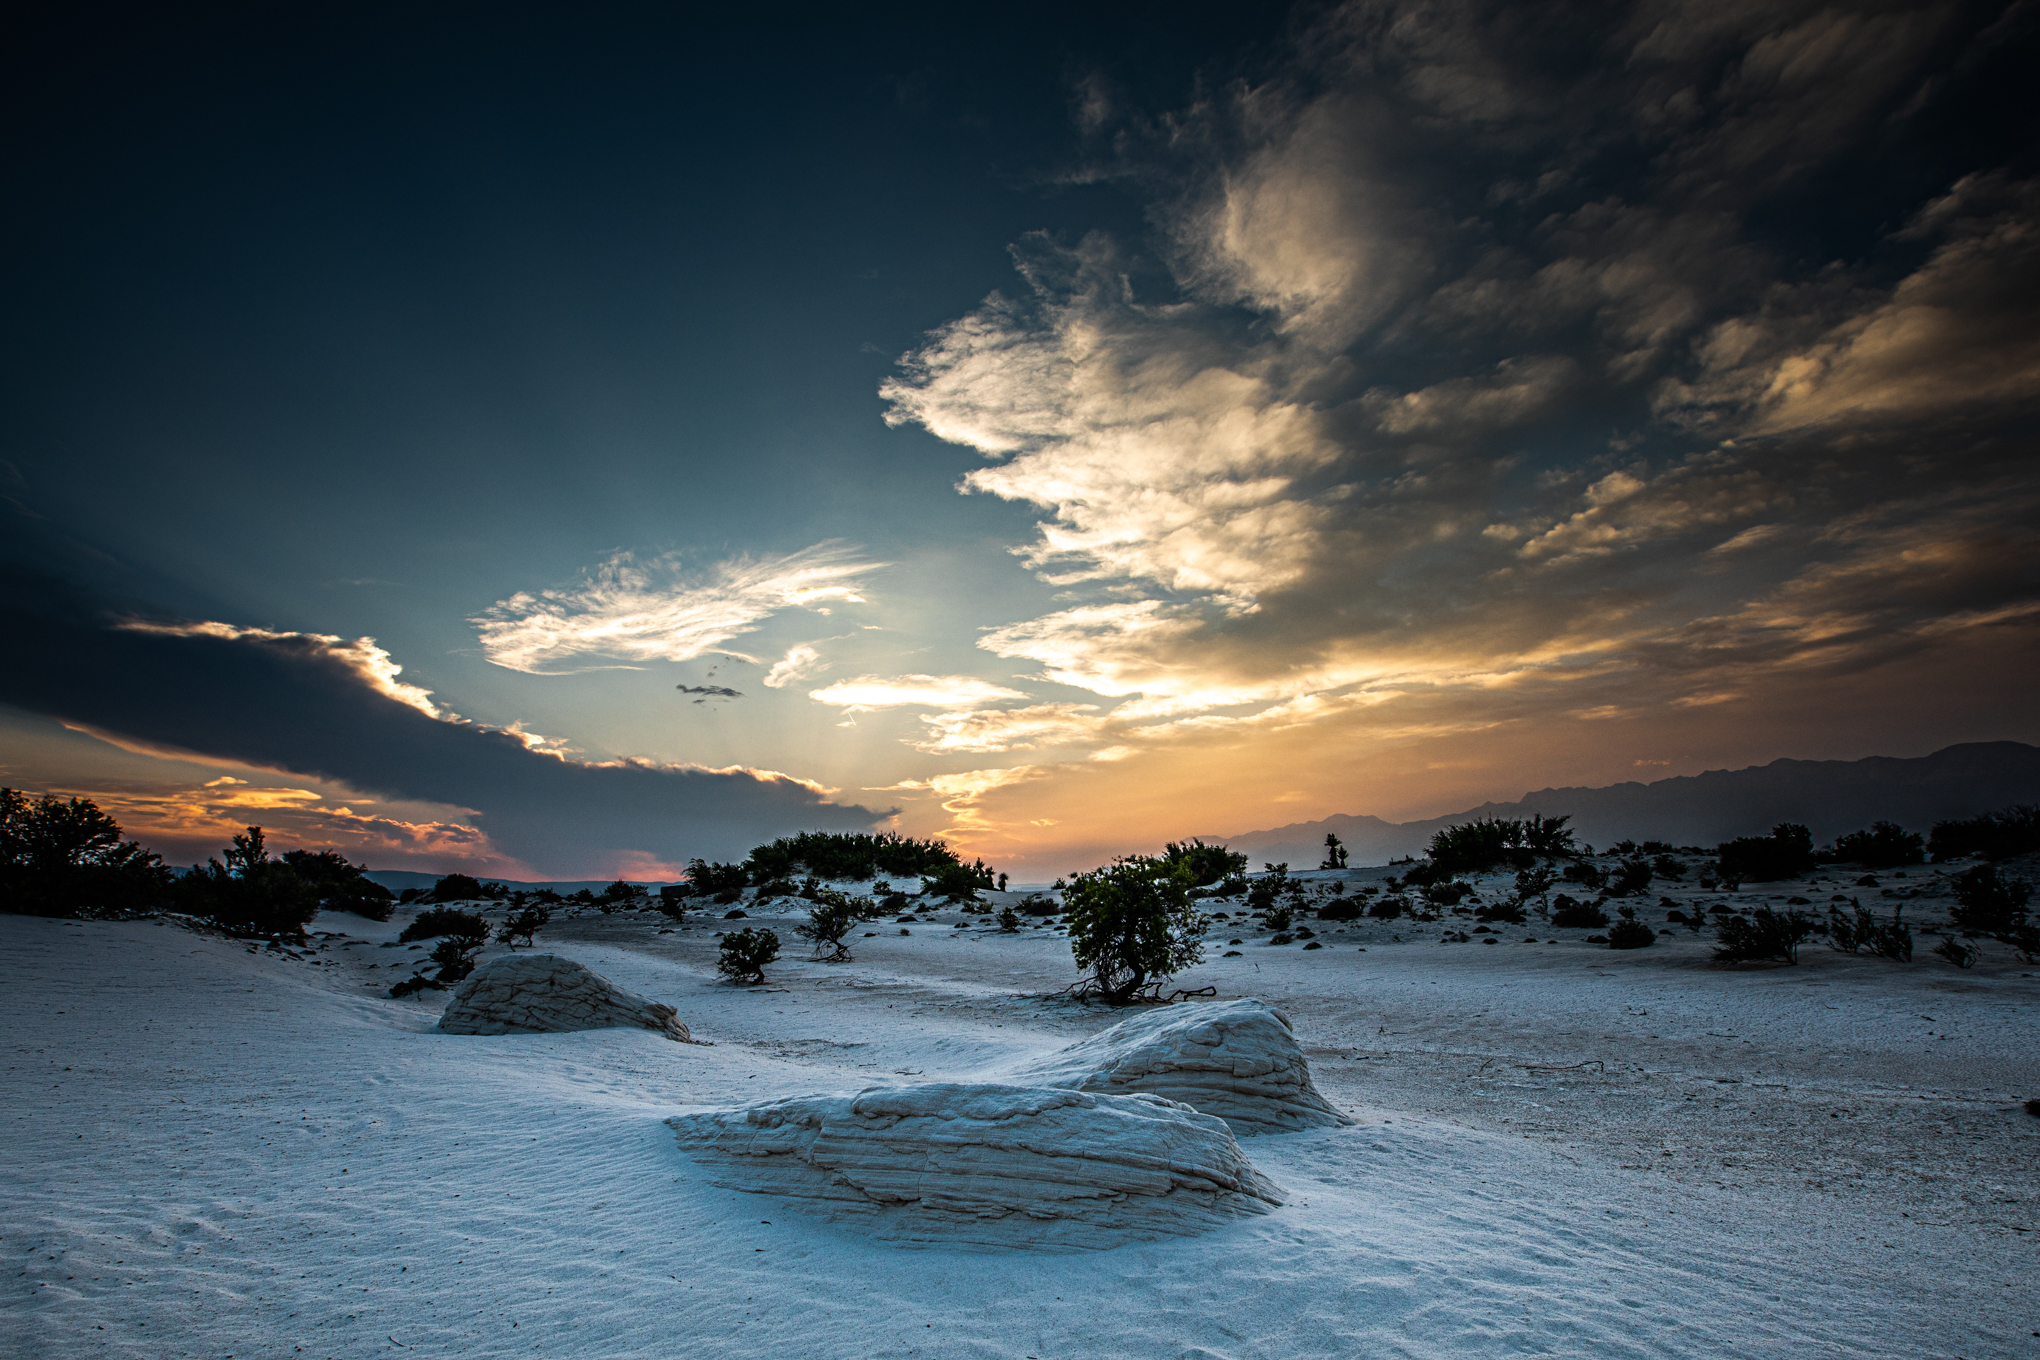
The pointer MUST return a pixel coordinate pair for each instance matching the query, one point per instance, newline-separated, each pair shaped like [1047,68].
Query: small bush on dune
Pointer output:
[1569,913]
[1957,952]
[745,953]
[1668,866]
[1886,845]
[1587,874]
[1449,894]
[456,888]
[1009,920]
[1510,913]
[957,882]
[723,882]
[342,886]
[454,955]
[1862,930]
[1630,933]
[1387,907]
[672,901]
[1536,881]
[832,917]
[1988,902]
[1764,935]
[1631,877]
[1339,909]
[524,923]
[622,896]
[1133,927]
[434,922]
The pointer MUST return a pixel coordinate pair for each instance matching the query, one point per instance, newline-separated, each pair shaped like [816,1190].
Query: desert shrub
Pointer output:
[622,896]
[1536,881]
[1569,913]
[1388,907]
[66,858]
[1957,952]
[1449,894]
[434,922]
[842,856]
[1509,913]
[957,882]
[1477,846]
[524,923]
[1586,873]
[341,886]
[1339,909]
[1265,891]
[453,956]
[1994,835]
[1132,926]
[1988,902]
[1668,866]
[833,916]
[745,953]
[455,888]
[1764,934]
[1009,919]
[251,895]
[1205,864]
[895,902]
[672,901]
[1886,845]
[1786,853]
[1629,933]
[1547,837]
[1861,930]
[723,882]
[1631,877]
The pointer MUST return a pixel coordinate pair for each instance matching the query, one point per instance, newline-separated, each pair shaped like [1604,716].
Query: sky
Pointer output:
[562,444]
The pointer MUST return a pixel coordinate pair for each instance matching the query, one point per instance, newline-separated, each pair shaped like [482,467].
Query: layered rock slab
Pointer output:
[546,994]
[987,1166]
[1238,1060]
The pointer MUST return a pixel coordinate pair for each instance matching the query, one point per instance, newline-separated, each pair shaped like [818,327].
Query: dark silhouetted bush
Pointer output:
[841,856]
[1509,913]
[1763,935]
[745,953]
[1994,835]
[1009,919]
[1786,853]
[1388,906]
[1886,845]
[524,923]
[251,894]
[342,886]
[832,917]
[672,900]
[66,858]
[1339,909]
[1587,874]
[1988,902]
[1957,952]
[1629,933]
[1449,894]
[1631,876]
[1569,913]
[456,888]
[1861,930]
[622,896]
[723,882]
[434,922]
[1668,866]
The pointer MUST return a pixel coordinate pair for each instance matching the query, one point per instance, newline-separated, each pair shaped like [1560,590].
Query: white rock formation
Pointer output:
[543,993]
[1238,1060]
[987,1166]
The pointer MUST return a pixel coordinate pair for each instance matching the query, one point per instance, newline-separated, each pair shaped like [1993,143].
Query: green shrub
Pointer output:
[957,882]
[1764,934]
[1205,864]
[745,953]
[1036,904]
[1994,835]
[61,858]
[1264,892]
[1886,845]
[1786,853]
[1569,913]
[1009,919]
[1132,926]
[832,917]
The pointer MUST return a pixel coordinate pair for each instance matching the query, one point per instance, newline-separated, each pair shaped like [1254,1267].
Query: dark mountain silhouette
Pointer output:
[1831,797]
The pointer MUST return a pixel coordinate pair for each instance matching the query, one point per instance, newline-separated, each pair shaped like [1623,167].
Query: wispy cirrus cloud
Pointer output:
[630,611]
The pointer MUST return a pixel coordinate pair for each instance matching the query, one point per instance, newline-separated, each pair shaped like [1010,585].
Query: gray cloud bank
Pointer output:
[1684,348]
[325,707]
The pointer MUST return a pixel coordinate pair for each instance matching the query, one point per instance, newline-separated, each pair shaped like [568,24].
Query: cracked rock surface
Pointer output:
[546,994]
[988,1166]
[1238,1060]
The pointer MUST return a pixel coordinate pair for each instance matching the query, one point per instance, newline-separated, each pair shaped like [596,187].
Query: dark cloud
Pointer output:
[328,708]
[712,691]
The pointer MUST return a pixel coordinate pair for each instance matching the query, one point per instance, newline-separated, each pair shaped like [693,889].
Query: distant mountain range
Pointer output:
[1830,797]
[396,880]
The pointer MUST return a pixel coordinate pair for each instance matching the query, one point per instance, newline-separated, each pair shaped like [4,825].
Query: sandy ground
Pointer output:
[1561,1150]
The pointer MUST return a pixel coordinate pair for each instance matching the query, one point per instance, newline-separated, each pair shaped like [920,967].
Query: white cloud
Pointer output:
[632,612]
[799,662]
[911,691]
[1009,729]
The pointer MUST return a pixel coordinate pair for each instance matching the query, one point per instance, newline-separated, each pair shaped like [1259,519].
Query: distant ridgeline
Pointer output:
[1829,797]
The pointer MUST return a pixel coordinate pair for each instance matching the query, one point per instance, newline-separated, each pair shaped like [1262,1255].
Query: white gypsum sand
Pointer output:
[543,993]
[214,1150]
